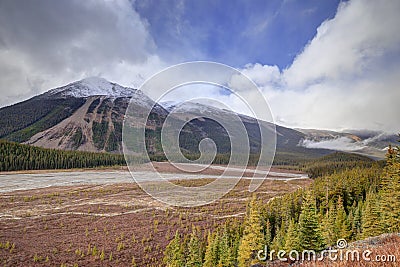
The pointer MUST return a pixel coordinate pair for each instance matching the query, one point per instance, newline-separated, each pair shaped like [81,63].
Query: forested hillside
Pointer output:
[21,121]
[15,157]
[334,162]
[355,202]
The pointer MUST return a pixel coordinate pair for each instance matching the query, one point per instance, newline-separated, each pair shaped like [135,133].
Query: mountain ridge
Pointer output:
[88,115]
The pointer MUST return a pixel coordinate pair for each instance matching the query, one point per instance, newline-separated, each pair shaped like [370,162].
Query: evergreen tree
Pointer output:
[253,238]
[309,229]
[194,253]
[390,192]
[173,254]
[225,251]
[292,237]
[328,225]
[356,223]
[342,228]
[279,240]
[236,231]
[371,220]
[211,256]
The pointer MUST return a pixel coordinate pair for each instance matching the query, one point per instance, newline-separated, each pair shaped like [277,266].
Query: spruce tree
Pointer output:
[292,237]
[309,229]
[328,225]
[356,223]
[253,237]
[193,258]
[279,240]
[342,228]
[371,219]
[225,251]
[390,191]
[173,254]
[211,255]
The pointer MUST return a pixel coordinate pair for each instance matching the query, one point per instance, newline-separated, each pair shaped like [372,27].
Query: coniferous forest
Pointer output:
[351,203]
[16,157]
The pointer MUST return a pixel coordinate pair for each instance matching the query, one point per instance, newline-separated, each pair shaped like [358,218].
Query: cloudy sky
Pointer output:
[320,64]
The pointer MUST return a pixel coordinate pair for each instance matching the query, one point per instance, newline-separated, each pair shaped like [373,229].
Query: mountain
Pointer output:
[85,115]
[88,115]
[287,139]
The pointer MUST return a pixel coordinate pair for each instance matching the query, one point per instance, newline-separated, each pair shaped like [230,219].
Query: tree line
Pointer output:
[351,203]
[14,157]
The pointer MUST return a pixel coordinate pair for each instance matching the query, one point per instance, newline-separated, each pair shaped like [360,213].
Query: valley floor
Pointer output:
[117,223]
[109,224]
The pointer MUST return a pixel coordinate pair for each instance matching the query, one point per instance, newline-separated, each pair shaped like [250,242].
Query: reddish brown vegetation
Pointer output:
[107,224]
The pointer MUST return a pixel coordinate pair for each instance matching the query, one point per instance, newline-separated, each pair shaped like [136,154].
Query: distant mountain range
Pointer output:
[88,115]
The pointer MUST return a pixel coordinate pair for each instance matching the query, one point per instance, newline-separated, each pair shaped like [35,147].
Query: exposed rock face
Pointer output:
[88,115]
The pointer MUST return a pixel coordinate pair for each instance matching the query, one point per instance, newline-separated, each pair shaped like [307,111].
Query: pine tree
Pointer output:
[354,221]
[328,225]
[342,228]
[356,224]
[211,256]
[225,251]
[253,238]
[194,254]
[279,240]
[390,191]
[292,237]
[236,231]
[371,219]
[173,254]
[309,229]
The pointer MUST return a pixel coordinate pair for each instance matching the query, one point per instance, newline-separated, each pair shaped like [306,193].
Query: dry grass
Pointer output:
[108,225]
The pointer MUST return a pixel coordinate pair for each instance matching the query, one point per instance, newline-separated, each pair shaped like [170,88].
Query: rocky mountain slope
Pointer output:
[85,115]
[88,115]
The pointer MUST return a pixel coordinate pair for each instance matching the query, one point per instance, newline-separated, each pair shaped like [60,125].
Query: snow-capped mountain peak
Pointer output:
[92,86]
[203,109]
[190,106]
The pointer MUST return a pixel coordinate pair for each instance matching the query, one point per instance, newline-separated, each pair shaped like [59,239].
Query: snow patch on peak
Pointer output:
[169,105]
[194,107]
[92,86]
[97,83]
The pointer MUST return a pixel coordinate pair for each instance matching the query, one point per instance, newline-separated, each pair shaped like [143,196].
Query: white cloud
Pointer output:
[361,33]
[347,76]
[345,143]
[263,74]
[341,143]
[45,44]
